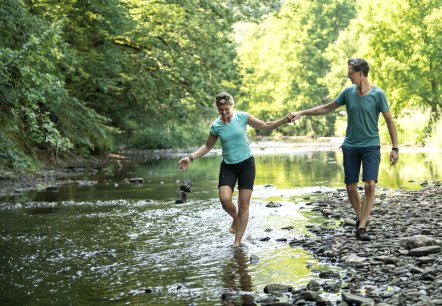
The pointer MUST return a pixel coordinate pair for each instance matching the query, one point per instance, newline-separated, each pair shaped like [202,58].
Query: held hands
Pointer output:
[293,116]
[288,118]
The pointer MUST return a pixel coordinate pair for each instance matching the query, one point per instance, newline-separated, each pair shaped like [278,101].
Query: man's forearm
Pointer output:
[315,111]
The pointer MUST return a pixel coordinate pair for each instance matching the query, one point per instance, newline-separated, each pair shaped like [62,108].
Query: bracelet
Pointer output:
[190,157]
[395,149]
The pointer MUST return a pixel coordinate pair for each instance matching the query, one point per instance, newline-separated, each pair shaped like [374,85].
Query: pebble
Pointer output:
[404,252]
[401,265]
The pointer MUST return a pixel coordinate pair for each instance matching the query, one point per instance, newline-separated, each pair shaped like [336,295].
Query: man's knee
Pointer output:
[351,188]
[370,186]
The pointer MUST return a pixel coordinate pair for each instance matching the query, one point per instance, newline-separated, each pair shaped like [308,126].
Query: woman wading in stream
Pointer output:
[238,164]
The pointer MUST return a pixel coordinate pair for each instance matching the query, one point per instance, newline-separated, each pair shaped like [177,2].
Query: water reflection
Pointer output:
[237,278]
[237,275]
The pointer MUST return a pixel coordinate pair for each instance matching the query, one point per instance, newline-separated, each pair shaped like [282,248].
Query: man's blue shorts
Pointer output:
[369,157]
[244,172]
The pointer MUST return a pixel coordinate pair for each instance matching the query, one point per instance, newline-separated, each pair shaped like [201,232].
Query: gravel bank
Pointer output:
[401,265]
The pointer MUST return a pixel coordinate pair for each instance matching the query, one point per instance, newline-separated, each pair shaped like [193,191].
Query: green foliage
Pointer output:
[402,40]
[38,112]
[168,137]
[85,76]
[296,59]
[283,64]
[435,139]
[183,64]
[409,127]
[413,56]
[12,157]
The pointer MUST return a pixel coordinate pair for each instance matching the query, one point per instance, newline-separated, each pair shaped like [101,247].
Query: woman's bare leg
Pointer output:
[226,198]
[243,214]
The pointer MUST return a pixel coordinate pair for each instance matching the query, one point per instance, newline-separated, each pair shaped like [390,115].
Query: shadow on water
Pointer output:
[103,239]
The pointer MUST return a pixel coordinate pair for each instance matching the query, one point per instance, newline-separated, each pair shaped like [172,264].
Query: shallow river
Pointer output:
[101,240]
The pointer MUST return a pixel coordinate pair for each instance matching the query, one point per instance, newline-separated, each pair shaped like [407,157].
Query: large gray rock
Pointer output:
[418,241]
[277,288]
[356,299]
[426,250]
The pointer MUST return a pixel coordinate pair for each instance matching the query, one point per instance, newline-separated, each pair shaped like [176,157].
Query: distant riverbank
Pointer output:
[15,182]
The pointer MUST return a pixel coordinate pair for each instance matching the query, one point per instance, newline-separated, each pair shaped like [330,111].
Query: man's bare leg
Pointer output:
[226,198]
[367,205]
[243,214]
[354,198]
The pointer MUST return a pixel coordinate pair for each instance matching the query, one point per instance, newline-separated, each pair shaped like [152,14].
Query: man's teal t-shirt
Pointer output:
[363,116]
[233,136]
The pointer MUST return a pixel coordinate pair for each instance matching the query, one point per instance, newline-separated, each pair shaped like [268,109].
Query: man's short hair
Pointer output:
[359,64]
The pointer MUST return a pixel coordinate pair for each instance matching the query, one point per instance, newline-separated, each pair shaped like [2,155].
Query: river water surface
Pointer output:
[101,240]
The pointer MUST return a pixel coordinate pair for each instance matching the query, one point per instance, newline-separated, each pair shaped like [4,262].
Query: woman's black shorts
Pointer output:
[243,172]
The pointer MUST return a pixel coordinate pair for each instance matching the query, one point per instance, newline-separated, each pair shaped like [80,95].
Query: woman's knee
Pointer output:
[225,195]
[243,211]
[226,201]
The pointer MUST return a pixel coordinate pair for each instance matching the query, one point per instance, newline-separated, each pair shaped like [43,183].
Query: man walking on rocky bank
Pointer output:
[364,102]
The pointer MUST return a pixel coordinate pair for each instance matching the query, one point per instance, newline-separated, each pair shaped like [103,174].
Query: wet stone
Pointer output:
[310,296]
[254,259]
[136,180]
[391,260]
[426,231]
[273,205]
[416,270]
[277,288]
[267,300]
[418,241]
[425,260]
[329,274]
[401,265]
[355,299]
[331,286]
[425,250]
[313,285]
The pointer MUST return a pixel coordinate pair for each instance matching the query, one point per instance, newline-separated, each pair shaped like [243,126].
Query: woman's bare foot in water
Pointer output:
[232,228]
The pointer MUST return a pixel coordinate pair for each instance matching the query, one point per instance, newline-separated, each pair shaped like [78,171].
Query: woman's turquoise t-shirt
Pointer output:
[233,136]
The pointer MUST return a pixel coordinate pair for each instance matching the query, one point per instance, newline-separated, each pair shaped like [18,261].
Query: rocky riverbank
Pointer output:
[15,183]
[401,265]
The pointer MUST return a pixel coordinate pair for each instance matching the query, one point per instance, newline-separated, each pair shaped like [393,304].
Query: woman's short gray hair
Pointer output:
[223,99]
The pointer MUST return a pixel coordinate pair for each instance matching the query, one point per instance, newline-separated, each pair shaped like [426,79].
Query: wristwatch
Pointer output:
[395,149]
